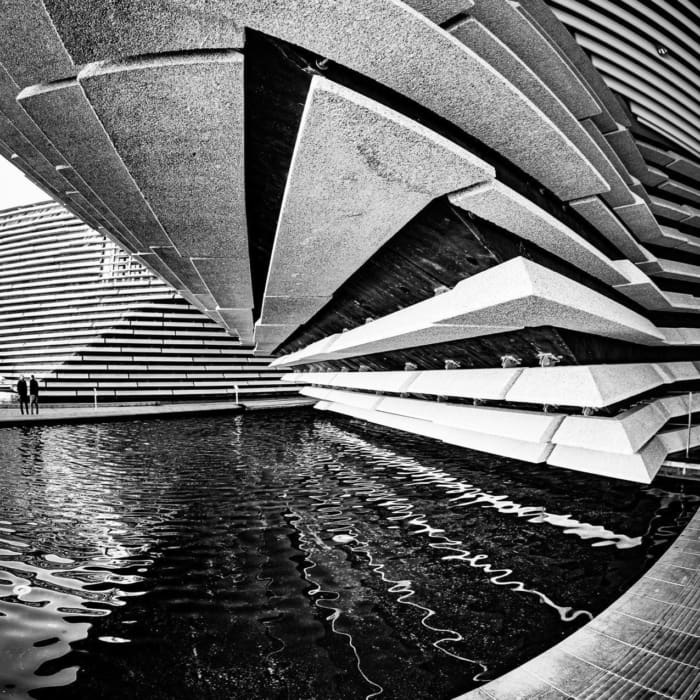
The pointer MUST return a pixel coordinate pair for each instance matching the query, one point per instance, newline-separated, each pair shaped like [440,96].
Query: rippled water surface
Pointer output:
[297,555]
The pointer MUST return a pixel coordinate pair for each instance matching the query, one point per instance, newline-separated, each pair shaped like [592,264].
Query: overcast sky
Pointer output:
[15,189]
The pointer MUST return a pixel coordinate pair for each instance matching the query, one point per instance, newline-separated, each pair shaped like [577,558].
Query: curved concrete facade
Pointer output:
[82,315]
[383,187]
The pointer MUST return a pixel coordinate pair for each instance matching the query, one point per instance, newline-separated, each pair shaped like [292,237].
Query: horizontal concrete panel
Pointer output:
[347,398]
[640,467]
[513,27]
[595,386]
[93,30]
[396,46]
[527,426]
[393,382]
[602,218]
[360,171]
[227,279]
[527,451]
[515,292]
[487,384]
[625,433]
[79,136]
[504,207]
[177,123]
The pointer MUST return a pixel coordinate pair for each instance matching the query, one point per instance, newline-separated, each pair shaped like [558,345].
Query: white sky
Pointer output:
[16,189]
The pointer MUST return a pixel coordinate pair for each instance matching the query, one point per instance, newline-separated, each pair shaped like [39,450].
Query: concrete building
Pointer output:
[83,316]
[411,201]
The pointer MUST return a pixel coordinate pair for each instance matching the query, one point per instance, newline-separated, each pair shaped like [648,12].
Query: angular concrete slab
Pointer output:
[667,209]
[390,382]
[654,154]
[227,279]
[596,150]
[512,26]
[511,211]
[182,268]
[640,467]
[292,311]
[626,148]
[95,30]
[360,171]
[517,449]
[31,49]
[177,123]
[399,48]
[240,321]
[487,384]
[354,399]
[625,433]
[639,219]
[546,19]
[78,135]
[440,10]
[642,289]
[680,190]
[619,179]
[527,426]
[595,386]
[685,166]
[601,217]
[517,293]
[671,269]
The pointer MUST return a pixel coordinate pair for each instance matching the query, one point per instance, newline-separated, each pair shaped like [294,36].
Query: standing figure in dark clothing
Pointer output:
[33,395]
[23,398]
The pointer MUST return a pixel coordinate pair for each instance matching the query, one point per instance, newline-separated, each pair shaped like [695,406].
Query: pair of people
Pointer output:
[28,402]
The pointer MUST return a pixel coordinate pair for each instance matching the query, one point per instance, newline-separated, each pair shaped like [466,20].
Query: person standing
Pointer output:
[23,398]
[33,395]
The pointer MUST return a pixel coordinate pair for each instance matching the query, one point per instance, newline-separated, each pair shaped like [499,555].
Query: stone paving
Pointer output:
[83,414]
[645,645]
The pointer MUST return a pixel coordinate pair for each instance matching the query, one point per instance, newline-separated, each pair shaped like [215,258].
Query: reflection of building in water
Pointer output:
[80,313]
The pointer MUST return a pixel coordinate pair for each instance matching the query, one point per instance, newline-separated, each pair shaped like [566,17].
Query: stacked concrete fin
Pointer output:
[376,183]
[82,315]
[493,410]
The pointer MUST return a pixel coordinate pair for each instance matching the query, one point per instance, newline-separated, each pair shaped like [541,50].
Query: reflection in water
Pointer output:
[296,555]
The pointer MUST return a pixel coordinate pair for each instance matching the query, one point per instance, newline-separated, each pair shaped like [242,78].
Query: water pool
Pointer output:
[297,555]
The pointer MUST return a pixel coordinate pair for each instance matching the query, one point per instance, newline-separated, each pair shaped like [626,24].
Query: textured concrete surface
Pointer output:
[667,209]
[95,30]
[684,166]
[177,123]
[645,645]
[440,10]
[625,433]
[680,190]
[595,386]
[487,384]
[504,207]
[545,18]
[407,52]
[639,219]
[85,414]
[517,449]
[514,29]
[360,171]
[79,136]
[31,50]
[227,279]
[601,217]
[626,148]
[527,426]
[517,293]
[500,56]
